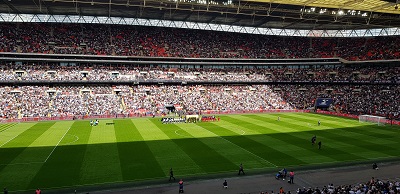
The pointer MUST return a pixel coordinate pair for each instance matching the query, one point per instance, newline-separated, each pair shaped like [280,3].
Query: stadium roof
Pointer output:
[283,14]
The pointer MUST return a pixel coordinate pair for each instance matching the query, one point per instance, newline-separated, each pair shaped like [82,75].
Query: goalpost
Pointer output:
[372,119]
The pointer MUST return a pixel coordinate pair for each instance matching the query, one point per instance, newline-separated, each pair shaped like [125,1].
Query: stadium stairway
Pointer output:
[19,114]
[122,105]
[50,107]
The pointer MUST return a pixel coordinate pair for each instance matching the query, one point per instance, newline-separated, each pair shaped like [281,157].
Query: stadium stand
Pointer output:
[33,101]
[370,186]
[35,72]
[122,40]
[55,89]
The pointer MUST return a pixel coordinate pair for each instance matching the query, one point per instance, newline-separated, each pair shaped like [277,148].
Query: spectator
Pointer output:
[181,186]
[225,184]
[291,177]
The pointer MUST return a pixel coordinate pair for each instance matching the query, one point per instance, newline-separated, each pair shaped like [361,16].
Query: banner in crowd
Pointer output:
[323,102]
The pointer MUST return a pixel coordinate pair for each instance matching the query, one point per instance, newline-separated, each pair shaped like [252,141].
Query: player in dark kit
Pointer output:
[313,139]
[171,174]
[241,169]
[319,145]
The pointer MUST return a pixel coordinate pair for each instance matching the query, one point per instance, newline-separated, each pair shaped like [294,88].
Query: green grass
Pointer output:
[72,154]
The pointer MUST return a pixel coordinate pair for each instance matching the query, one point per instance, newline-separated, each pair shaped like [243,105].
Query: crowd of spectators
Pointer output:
[121,40]
[92,39]
[369,187]
[42,101]
[37,72]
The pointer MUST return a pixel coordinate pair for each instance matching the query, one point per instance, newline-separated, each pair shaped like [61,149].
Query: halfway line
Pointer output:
[57,145]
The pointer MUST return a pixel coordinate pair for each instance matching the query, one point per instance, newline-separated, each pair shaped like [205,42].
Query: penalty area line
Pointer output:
[56,145]
[8,141]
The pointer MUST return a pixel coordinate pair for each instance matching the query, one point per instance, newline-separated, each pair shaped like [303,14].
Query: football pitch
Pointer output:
[73,154]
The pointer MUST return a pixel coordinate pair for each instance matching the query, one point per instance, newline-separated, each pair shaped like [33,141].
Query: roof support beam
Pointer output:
[11,6]
[187,17]
[382,6]
[212,18]
[309,2]
[351,2]
[237,20]
[263,21]
[109,9]
[48,9]
[293,23]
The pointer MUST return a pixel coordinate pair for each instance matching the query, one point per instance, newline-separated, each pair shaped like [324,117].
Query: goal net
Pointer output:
[372,119]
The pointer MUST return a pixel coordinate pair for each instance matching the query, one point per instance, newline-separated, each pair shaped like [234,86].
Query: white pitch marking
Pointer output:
[8,141]
[22,163]
[57,145]
[9,127]
[76,139]
[243,132]
[176,132]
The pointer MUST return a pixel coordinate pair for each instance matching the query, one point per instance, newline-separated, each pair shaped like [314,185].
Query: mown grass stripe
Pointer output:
[8,135]
[168,154]
[341,123]
[357,149]
[16,145]
[327,136]
[359,142]
[227,149]
[271,143]
[63,167]
[255,152]
[363,132]
[286,150]
[29,162]
[206,157]
[367,129]
[101,160]
[185,147]
[7,126]
[137,161]
[293,138]
[345,120]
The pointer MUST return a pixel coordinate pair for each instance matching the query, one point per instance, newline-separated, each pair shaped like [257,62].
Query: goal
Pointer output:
[372,119]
